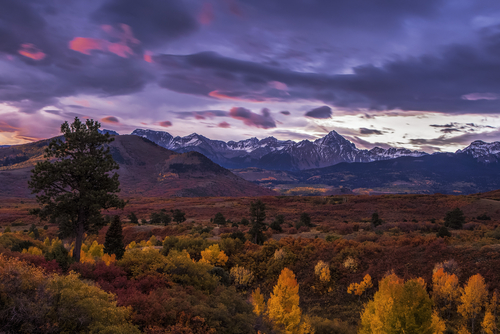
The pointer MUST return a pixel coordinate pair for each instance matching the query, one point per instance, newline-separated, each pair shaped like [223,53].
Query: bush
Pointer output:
[484,216]
[443,232]
[332,237]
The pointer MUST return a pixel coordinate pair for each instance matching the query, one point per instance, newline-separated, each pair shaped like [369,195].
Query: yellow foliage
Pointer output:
[214,256]
[351,264]
[489,324]
[474,297]
[33,251]
[438,324]
[322,270]
[132,245]
[279,254]
[283,305]
[96,250]
[359,288]
[463,330]
[241,276]
[108,259]
[257,300]
[399,307]
[152,241]
[143,261]
[445,289]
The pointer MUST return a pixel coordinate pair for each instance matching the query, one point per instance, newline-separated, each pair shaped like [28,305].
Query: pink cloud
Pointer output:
[224,125]
[31,51]
[278,85]
[165,124]
[110,119]
[121,48]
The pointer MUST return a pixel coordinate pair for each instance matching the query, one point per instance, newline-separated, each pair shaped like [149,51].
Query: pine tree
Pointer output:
[74,183]
[257,217]
[113,244]
[219,219]
[133,218]
[178,216]
[454,219]
[276,224]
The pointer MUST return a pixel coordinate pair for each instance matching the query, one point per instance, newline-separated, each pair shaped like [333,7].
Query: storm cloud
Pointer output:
[263,120]
[320,112]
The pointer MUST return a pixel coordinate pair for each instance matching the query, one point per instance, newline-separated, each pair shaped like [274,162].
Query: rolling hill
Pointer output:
[146,169]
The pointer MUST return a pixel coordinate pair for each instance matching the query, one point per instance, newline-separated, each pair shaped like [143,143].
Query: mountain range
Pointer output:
[271,153]
[146,169]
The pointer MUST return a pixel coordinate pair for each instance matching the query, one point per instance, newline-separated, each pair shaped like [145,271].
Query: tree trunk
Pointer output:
[78,241]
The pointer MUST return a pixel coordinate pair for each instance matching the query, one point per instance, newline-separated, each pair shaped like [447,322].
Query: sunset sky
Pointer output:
[420,74]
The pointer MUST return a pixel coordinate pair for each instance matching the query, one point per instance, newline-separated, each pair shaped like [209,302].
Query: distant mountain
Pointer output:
[146,169]
[483,152]
[274,154]
[447,173]
[111,132]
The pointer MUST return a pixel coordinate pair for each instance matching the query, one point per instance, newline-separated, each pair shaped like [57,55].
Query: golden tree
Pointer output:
[445,290]
[241,276]
[489,324]
[474,297]
[322,271]
[400,307]
[283,305]
[214,256]
[359,288]
[257,300]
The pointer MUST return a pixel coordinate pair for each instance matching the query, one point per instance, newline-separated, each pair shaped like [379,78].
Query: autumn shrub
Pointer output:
[214,256]
[241,276]
[34,302]
[331,326]
[183,270]
[344,229]
[471,226]
[40,262]
[303,229]
[193,245]
[495,234]
[16,242]
[137,261]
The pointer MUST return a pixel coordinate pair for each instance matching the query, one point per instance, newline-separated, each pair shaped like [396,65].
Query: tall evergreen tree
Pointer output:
[219,219]
[257,217]
[178,216]
[113,244]
[74,183]
[454,219]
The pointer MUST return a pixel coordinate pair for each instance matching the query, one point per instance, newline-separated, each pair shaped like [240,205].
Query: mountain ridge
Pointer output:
[146,169]
[274,154]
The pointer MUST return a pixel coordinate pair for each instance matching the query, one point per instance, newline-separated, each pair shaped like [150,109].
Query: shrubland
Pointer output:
[346,271]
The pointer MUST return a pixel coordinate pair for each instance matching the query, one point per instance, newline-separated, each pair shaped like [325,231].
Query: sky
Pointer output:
[423,75]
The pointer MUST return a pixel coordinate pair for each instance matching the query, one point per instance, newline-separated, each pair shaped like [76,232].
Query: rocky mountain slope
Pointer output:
[271,153]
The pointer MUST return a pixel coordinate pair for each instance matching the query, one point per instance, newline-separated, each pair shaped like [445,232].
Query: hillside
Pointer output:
[146,169]
[446,173]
